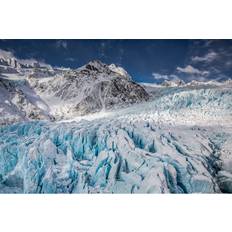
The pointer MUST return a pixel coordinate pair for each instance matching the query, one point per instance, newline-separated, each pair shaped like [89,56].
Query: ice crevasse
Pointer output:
[121,158]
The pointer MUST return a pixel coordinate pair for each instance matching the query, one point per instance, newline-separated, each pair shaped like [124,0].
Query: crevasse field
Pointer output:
[178,142]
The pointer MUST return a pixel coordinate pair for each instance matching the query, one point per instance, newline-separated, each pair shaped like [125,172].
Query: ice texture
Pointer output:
[111,155]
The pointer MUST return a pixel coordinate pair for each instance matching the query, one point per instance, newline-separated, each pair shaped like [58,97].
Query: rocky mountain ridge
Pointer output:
[38,91]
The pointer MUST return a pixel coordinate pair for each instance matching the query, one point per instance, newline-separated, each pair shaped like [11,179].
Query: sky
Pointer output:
[145,60]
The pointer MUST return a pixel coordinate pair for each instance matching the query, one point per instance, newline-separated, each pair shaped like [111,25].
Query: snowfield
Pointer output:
[179,142]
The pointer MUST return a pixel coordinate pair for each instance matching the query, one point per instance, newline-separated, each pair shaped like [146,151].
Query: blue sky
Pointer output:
[145,60]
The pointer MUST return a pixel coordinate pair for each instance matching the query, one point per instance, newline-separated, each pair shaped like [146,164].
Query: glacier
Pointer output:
[179,142]
[94,130]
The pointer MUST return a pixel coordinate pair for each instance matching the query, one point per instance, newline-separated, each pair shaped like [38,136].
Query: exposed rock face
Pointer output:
[91,88]
[43,92]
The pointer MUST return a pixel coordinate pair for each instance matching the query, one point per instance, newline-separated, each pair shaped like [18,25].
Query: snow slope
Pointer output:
[18,103]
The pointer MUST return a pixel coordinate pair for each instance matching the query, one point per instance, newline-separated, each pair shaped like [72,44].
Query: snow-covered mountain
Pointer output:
[91,88]
[173,83]
[94,130]
[42,92]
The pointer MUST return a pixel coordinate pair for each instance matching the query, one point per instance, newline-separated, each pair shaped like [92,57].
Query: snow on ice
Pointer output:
[173,139]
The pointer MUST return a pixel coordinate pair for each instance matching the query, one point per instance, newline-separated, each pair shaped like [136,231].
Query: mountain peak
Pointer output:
[119,70]
[95,65]
[99,66]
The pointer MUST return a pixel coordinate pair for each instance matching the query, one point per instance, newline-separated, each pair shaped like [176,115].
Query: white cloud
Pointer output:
[61,44]
[191,70]
[9,55]
[158,76]
[208,58]
[6,54]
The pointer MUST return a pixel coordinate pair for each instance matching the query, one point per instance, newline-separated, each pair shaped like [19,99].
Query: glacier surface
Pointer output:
[180,142]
